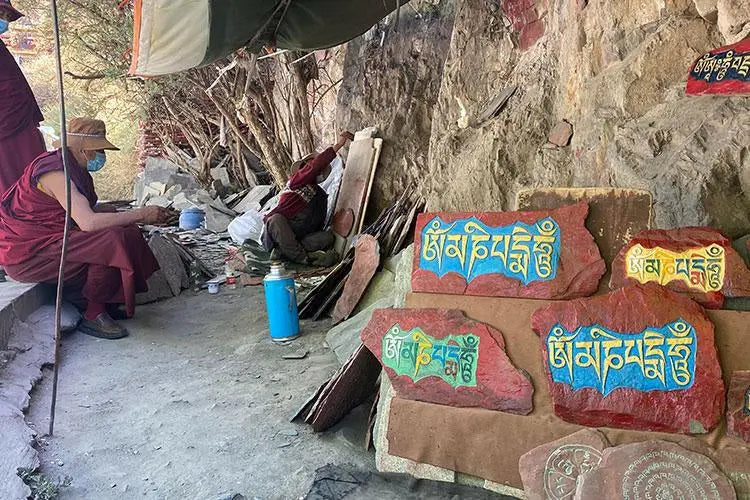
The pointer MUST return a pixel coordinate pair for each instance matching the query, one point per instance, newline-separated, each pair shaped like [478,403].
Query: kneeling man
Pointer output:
[108,260]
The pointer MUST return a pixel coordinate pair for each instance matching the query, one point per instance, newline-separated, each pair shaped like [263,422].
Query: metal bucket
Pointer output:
[281,304]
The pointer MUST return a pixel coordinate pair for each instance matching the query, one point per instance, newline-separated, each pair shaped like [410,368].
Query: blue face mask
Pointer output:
[3,26]
[97,163]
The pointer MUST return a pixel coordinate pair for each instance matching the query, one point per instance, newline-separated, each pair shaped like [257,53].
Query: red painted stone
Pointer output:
[342,223]
[654,470]
[629,310]
[561,134]
[736,278]
[578,273]
[725,70]
[738,406]
[531,33]
[550,471]
[499,385]
[366,262]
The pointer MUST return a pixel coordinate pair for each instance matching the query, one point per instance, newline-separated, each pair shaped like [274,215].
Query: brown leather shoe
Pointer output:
[103,327]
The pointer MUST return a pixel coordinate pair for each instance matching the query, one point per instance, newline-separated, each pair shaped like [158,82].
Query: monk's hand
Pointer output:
[346,136]
[155,215]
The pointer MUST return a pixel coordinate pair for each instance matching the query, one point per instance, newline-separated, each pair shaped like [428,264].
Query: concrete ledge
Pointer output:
[17,302]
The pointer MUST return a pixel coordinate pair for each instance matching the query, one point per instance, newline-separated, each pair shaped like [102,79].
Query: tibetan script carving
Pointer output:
[699,268]
[564,466]
[729,65]
[417,355]
[470,248]
[593,356]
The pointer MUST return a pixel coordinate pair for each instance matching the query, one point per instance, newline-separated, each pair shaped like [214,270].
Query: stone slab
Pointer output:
[447,437]
[615,215]
[440,356]
[667,380]
[738,406]
[366,262]
[561,133]
[723,71]
[697,261]
[343,221]
[252,200]
[544,254]
[654,469]
[17,301]
[551,471]
[343,339]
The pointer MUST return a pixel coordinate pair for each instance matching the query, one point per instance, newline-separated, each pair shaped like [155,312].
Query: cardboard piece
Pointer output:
[448,437]
[615,215]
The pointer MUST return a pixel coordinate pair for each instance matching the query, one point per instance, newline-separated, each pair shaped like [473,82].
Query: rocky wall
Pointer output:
[615,70]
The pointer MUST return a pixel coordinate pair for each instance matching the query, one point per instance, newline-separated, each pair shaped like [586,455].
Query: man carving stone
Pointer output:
[295,227]
[108,260]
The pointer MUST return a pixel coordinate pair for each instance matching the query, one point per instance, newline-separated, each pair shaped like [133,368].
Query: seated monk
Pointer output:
[294,228]
[108,260]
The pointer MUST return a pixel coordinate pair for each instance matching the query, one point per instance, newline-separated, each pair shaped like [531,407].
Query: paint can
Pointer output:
[192,218]
[281,304]
[213,288]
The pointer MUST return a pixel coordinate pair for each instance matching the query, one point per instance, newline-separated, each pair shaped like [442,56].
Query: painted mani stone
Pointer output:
[642,357]
[550,471]
[652,470]
[542,254]
[469,248]
[725,70]
[699,262]
[417,355]
[597,357]
[738,406]
[440,356]
[699,268]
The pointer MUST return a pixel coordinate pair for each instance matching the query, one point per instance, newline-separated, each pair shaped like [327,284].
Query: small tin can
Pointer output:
[213,288]
[281,304]
[231,282]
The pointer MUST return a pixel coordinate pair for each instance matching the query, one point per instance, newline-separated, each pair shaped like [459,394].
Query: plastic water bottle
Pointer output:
[281,304]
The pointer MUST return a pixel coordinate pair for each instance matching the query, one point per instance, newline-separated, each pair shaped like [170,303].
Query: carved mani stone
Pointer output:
[440,356]
[640,358]
[738,406]
[697,261]
[653,470]
[550,471]
[546,254]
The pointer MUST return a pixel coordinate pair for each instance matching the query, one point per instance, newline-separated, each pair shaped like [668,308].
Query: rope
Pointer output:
[64,249]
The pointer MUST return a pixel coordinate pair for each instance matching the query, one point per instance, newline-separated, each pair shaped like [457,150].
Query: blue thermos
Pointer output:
[281,304]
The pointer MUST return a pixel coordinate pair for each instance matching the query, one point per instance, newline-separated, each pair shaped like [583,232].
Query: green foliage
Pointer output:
[42,488]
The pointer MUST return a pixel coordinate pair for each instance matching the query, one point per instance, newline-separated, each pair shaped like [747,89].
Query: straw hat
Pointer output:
[302,161]
[6,6]
[87,134]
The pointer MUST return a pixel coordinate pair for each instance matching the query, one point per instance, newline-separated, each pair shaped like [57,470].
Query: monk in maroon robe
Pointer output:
[108,260]
[20,139]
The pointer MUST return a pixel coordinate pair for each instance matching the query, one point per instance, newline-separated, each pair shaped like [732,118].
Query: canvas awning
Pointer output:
[176,35]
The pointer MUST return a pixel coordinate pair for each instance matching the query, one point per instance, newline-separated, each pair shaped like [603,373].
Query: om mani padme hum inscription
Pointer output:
[702,268]
[596,357]
[470,248]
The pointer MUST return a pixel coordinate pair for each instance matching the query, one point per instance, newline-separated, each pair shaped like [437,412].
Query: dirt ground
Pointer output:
[194,404]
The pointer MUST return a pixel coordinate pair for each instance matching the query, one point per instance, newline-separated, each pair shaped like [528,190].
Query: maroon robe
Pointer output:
[106,266]
[20,139]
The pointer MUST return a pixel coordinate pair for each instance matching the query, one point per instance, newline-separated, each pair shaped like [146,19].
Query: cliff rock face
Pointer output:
[614,70]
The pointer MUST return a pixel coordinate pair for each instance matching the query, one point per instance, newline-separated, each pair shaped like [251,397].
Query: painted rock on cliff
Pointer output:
[698,261]
[543,254]
[550,471]
[725,70]
[642,357]
[440,356]
[652,470]
[738,406]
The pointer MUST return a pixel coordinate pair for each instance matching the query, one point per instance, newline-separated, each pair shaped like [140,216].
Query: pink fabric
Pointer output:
[18,107]
[16,152]
[107,266]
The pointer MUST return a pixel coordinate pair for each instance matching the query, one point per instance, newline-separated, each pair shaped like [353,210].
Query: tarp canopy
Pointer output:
[176,35]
